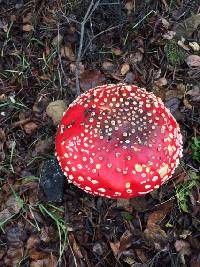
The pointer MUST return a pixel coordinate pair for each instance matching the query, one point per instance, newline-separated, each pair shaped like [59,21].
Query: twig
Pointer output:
[92,7]
[97,35]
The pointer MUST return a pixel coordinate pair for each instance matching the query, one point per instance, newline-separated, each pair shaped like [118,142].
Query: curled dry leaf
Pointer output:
[124,69]
[193,61]
[90,79]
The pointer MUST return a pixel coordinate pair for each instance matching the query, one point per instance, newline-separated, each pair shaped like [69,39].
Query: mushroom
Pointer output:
[118,141]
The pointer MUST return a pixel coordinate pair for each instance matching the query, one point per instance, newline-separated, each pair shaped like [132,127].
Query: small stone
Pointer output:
[55,110]
[52,181]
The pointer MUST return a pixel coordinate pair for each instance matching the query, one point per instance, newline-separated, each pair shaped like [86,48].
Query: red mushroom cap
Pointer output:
[118,141]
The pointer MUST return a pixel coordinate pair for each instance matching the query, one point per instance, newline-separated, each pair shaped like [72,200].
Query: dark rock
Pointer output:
[52,181]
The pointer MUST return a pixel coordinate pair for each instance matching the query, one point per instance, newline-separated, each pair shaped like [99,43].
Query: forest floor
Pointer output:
[152,43]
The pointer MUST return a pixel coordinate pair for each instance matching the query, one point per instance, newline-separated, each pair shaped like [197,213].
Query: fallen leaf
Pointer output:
[115,247]
[130,77]
[27,18]
[172,104]
[124,69]
[50,261]
[183,247]
[129,7]
[67,52]
[125,242]
[141,255]
[108,66]
[187,104]
[32,242]
[135,57]
[30,127]
[57,40]
[117,51]
[194,93]
[160,82]
[55,110]
[44,146]
[27,28]
[90,79]
[165,23]
[184,46]
[169,35]
[193,61]
[13,256]
[195,46]
[187,27]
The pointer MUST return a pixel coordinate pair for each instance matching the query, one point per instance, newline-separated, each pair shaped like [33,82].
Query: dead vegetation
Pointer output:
[53,50]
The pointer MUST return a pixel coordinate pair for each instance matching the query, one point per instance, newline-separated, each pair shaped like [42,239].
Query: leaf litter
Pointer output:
[153,45]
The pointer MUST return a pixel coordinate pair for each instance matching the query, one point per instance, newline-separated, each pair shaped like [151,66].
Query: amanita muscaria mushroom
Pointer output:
[118,141]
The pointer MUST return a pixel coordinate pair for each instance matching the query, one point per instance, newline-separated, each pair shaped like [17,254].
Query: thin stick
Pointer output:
[87,16]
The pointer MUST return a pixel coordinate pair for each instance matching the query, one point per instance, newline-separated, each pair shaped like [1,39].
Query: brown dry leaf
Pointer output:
[117,51]
[55,110]
[125,242]
[35,254]
[115,247]
[57,40]
[44,146]
[193,61]
[194,93]
[156,217]
[27,19]
[108,66]
[90,79]
[124,69]
[27,28]
[183,247]
[67,52]
[187,104]
[32,242]
[75,247]
[153,231]
[30,127]
[187,27]
[160,82]
[129,7]
[50,261]
[141,255]
[135,57]
[13,256]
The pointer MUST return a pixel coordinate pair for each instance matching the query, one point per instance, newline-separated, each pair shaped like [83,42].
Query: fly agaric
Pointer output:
[118,141]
